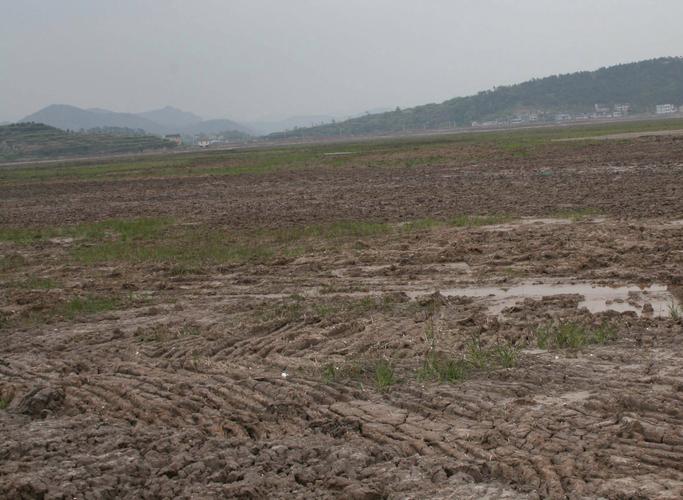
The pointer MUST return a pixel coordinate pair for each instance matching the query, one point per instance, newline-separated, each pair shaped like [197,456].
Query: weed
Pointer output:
[543,335]
[89,305]
[4,403]
[477,356]
[505,355]
[430,334]
[674,311]
[603,334]
[573,335]
[442,369]
[383,374]
[329,373]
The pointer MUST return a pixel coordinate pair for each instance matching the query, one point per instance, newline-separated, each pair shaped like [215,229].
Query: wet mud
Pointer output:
[263,380]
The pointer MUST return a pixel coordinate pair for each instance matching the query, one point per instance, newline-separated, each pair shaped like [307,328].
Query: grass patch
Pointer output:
[12,262]
[575,215]
[442,369]
[573,335]
[420,225]
[35,283]
[674,311]
[505,356]
[4,403]
[479,220]
[299,309]
[477,356]
[190,248]
[79,306]
[378,372]
[384,375]
[121,229]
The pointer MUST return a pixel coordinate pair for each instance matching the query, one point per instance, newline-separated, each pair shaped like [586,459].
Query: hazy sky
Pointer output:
[263,59]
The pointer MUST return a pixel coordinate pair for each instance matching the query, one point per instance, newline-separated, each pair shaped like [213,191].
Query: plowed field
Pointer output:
[435,319]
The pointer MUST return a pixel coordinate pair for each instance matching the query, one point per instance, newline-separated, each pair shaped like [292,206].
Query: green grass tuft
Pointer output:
[442,369]
[79,306]
[384,375]
[573,335]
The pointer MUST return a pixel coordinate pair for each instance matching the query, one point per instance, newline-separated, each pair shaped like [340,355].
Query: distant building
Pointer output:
[665,109]
[203,144]
[174,138]
[623,109]
[601,109]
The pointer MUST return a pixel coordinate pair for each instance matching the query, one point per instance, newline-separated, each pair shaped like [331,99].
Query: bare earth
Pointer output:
[257,379]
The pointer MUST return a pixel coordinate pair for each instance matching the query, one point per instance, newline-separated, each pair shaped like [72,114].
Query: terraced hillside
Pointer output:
[35,141]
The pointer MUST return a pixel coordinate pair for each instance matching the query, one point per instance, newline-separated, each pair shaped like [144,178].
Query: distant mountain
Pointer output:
[171,117]
[643,85]
[307,121]
[215,127]
[163,121]
[67,117]
[268,127]
[35,141]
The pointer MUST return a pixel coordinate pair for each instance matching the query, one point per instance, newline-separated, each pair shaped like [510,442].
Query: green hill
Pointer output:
[643,85]
[38,141]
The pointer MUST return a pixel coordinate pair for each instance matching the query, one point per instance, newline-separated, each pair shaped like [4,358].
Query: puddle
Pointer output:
[650,301]
[378,271]
[595,298]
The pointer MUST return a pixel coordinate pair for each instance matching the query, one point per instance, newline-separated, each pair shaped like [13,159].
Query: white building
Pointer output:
[665,109]
[622,108]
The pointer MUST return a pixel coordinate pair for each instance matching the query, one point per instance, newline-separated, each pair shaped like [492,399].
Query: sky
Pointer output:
[271,59]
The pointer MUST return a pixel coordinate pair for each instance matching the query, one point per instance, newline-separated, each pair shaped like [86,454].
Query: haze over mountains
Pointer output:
[168,120]
[641,86]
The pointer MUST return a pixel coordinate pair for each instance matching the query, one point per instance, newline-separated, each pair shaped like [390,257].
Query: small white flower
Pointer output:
[557,357]
[284,375]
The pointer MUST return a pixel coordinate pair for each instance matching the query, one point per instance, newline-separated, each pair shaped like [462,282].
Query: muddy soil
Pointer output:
[638,178]
[262,380]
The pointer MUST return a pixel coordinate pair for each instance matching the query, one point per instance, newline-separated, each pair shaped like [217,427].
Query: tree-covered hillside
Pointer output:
[643,85]
[35,140]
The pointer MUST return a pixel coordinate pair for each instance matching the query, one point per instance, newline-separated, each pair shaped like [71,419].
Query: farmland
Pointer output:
[463,316]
